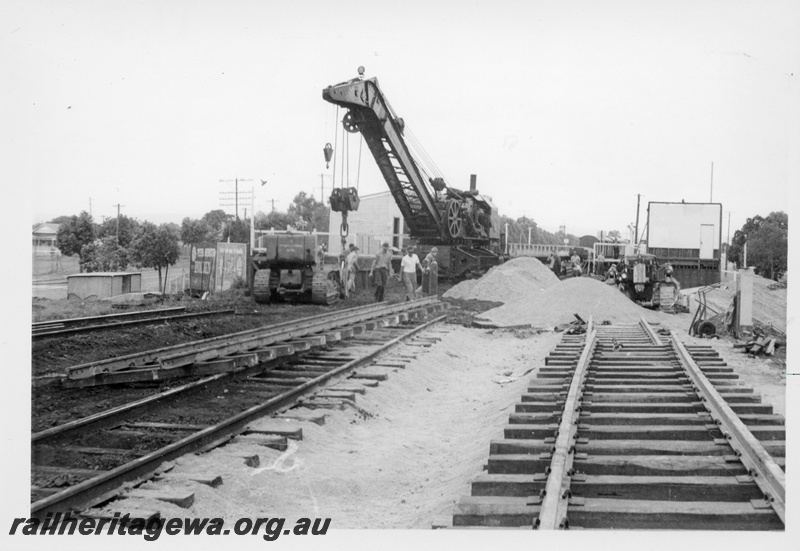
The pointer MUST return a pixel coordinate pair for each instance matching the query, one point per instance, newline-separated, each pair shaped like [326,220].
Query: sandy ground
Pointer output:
[405,464]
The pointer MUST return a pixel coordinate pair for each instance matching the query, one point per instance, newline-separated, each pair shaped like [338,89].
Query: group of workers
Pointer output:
[382,270]
[576,263]
[557,266]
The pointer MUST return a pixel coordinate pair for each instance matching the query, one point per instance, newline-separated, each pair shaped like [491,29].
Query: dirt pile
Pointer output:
[769,304]
[557,304]
[507,282]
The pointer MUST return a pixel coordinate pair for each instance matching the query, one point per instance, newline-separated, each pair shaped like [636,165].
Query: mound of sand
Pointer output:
[507,282]
[557,304]
[769,305]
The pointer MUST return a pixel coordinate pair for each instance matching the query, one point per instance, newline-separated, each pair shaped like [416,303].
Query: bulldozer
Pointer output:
[293,266]
[645,282]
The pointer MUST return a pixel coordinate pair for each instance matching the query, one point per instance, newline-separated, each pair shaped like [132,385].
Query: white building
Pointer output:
[44,240]
[377,219]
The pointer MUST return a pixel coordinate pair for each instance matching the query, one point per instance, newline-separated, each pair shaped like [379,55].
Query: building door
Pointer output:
[707,241]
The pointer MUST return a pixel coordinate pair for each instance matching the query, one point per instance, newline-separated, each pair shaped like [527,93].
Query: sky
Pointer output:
[565,111]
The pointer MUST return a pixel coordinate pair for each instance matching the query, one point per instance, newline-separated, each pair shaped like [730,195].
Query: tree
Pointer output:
[237,231]
[60,219]
[127,229]
[104,255]
[275,220]
[155,247]
[767,244]
[309,214]
[216,219]
[195,231]
[74,233]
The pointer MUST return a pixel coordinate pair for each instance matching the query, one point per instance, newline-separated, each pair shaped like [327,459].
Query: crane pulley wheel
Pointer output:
[350,123]
[454,219]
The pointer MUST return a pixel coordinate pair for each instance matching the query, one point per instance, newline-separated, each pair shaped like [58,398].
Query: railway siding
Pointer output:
[128,443]
[624,429]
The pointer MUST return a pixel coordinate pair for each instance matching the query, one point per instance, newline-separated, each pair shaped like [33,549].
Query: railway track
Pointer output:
[226,352]
[71,326]
[85,461]
[624,428]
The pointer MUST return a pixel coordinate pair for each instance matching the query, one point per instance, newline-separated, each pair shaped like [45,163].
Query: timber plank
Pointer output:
[665,515]
[659,465]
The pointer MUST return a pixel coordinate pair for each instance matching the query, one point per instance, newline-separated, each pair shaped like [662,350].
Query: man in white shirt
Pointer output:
[408,267]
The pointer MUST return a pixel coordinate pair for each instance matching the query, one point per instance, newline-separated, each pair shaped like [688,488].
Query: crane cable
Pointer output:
[360,147]
[335,148]
[344,228]
[424,163]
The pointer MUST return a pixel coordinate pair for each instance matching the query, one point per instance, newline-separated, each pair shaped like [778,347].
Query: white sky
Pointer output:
[564,110]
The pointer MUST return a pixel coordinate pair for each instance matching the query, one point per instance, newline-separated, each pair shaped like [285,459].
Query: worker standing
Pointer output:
[351,267]
[382,270]
[600,264]
[430,273]
[577,269]
[611,276]
[408,267]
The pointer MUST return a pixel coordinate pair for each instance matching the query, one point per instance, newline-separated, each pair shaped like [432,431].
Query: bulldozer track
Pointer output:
[624,428]
[85,462]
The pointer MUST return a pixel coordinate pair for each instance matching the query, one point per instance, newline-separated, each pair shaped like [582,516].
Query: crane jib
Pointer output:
[466,223]
[371,114]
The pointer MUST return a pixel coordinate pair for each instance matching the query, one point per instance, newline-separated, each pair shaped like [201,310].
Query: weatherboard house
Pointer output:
[44,240]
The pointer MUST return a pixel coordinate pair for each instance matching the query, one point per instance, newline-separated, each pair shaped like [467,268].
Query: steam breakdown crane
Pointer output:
[463,225]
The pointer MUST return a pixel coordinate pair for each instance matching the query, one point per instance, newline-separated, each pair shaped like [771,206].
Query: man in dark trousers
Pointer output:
[381,270]
[430,273]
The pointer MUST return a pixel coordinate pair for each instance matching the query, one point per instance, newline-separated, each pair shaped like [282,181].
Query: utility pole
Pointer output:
[744,254]
[729,229]
[711,197]
[636,230]
[118,207]
[225,196]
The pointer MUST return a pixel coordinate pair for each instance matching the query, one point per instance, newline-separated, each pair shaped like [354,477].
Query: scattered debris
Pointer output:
[762,344]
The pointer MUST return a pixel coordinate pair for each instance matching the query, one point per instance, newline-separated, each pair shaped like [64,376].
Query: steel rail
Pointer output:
[553,511]
[83,492]
[105,418]
[187,353]
[766,473]
[117,324]
[109,317]
[650,332]
[111,416]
